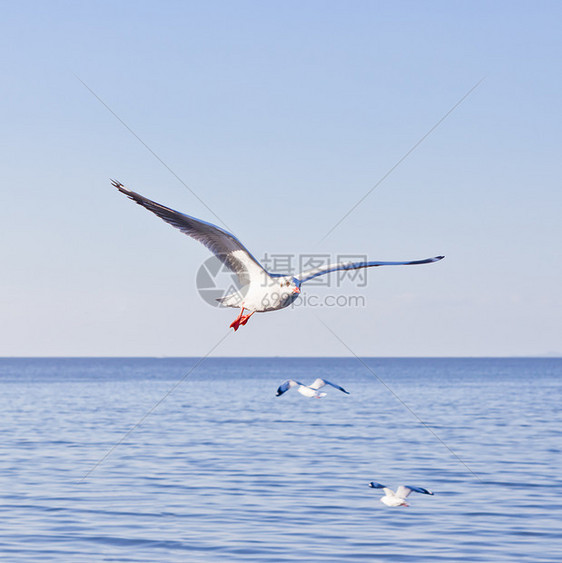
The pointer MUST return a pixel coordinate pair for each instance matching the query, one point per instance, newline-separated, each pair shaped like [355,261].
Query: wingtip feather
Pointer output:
[374,485]
[129,193]
[120,187]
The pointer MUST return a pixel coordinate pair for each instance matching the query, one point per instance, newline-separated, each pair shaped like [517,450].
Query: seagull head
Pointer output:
[295,286]
[290,288]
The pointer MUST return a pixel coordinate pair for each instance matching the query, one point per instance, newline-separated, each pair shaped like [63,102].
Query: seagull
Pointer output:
[261,291]
[398,498]
[308,390]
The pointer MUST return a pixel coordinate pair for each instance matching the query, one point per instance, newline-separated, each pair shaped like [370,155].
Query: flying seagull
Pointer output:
[398,498]
[261,291]
[308,390]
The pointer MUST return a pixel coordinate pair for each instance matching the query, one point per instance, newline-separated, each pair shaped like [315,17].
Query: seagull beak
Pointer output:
[296,290]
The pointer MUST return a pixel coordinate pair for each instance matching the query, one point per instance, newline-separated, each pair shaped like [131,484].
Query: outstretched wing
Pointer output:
[388,492]
[285,386]
[321,270]
[404,491]
[318,383]
[225,246]
[375,485]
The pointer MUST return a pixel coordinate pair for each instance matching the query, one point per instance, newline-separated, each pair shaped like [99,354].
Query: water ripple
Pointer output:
[239,475]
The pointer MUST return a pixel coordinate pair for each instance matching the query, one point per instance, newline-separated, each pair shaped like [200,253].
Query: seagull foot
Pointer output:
[245,318]
[236,322]
[239,321]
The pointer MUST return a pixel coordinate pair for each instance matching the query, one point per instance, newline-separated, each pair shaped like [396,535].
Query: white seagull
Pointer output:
[308,390]
[398,498]
[261,291]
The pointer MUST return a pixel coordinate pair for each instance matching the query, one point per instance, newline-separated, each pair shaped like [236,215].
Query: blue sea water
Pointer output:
[146,460]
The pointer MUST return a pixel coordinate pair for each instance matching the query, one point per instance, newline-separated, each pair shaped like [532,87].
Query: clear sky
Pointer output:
[280,116]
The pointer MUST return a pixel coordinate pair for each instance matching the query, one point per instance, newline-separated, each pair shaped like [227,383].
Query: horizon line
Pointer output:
[164,357]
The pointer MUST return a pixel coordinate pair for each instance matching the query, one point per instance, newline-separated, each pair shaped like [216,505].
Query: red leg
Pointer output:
[245,318]
[237,321]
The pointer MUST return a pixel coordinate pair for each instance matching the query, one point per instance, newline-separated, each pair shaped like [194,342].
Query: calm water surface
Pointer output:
[222,470]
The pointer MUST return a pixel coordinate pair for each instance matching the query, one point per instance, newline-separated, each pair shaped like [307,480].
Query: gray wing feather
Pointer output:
[318,383]
[321,270]
[375,485]
[404,491]
[286,385]
[224,245]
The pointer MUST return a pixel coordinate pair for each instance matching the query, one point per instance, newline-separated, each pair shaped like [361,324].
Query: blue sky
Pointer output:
[281,116]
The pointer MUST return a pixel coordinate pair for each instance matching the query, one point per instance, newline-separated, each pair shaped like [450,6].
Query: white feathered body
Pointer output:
[264,292]
[392,499]
[309,392]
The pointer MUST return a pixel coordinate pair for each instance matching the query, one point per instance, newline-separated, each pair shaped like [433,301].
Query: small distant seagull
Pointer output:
[398,498]
[308,390]
[261,291]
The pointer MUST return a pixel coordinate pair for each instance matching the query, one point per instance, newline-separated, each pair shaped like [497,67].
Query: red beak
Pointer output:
[296,290]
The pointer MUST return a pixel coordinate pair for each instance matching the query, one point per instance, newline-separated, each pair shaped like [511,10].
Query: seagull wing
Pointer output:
[285,386]
[225,246]
[388,492]
[318,383]
[375,485]
[321,270]
[404,491]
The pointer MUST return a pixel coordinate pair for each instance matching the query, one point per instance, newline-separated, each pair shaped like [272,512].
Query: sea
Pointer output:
[191,460]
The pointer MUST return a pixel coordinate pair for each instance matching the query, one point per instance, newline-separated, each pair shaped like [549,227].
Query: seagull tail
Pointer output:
[232,300]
